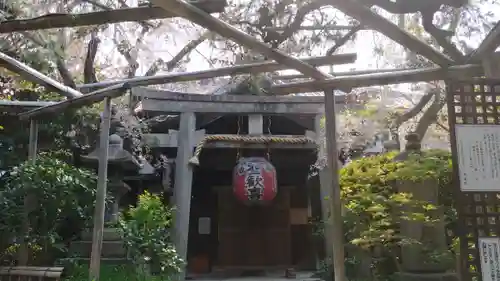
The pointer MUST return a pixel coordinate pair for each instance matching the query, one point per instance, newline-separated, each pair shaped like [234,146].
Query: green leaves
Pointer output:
[374,208]
[58,195]
[147,236]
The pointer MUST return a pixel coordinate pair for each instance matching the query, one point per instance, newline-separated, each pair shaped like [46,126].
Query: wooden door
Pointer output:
[253,237]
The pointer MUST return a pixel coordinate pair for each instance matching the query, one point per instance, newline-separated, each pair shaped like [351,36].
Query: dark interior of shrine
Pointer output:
[249,237]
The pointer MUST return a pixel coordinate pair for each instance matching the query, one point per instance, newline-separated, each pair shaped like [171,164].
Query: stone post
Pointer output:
[183,185]
[416,264]
[433,236]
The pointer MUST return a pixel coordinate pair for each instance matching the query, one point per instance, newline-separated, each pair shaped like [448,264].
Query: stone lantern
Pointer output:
[120,163]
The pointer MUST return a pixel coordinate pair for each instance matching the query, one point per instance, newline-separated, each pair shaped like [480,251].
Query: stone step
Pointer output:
[110,249]
[108,234]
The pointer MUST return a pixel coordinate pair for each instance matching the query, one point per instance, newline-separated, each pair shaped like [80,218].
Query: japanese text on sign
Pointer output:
[478,152]
[489,250]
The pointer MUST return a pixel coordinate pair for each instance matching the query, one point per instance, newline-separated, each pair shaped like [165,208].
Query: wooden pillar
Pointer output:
[491,66]
[95,257]
[33,145]
[324,189]
[23,256]
[335,201]
[183,185]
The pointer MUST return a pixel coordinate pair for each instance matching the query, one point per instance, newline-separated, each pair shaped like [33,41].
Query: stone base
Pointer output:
[446,276]
[112,245]
[108,234]
[110,249]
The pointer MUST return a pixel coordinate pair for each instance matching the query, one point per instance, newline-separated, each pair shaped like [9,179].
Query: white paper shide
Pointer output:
[478,151]
[489,251]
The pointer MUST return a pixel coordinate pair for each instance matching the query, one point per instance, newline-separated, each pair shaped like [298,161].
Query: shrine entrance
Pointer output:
[229,238]
[254,237]
[215,232]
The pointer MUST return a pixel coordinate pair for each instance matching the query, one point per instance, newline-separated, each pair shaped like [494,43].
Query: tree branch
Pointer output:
[126,50]
[431,114]
[437,121]
[442,39]
[89,75]
[64,72]
[367,17]
[297,21]
[399,120]
[60,64]
[489,44]
[123,5]
[171,64]
[124,47]
[190,12]
[312,27]
[342,41]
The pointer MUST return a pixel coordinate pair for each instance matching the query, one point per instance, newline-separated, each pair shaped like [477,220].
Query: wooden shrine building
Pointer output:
[215,231]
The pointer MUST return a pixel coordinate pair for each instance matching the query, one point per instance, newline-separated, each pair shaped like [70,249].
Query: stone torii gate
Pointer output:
[186,105]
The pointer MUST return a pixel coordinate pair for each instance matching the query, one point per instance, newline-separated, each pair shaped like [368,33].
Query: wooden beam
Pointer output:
[183,186]
[396,77]
[35,76]
[257,67]
[169,140]
[99,95]
[149,93]
[17,107]
[192,13]
[102,179]
[217,106]
[491,66]
[343,73]
[371,19]
[488,45]
[102,17]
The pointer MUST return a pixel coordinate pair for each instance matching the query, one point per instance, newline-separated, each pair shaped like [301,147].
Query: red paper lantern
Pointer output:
[254,181]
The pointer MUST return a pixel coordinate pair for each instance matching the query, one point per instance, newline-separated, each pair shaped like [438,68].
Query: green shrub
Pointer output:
[61,199]
[146,235]
[108,273]
[373,208]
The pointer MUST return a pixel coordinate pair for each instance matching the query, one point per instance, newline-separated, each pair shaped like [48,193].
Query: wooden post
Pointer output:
[491,66]
[324,189]
[23,257]
[95,257]
[183,185]
[336,204]
[33,145]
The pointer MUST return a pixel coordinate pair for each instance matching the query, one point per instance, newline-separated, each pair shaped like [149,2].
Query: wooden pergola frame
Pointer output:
[105,94]
[196,13]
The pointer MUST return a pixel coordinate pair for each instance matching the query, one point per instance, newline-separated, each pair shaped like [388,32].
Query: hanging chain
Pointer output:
[269,121]
[238,133]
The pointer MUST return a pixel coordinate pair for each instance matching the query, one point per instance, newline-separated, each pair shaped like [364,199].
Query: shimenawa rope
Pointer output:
[246,139]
